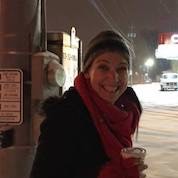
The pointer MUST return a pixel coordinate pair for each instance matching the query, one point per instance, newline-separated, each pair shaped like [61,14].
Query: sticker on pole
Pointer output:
[11,96]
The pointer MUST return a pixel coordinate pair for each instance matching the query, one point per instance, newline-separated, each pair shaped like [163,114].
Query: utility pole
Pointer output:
[19,38]
[131,35]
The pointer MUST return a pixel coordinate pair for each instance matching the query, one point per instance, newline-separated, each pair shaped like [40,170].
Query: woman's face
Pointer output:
[108,75]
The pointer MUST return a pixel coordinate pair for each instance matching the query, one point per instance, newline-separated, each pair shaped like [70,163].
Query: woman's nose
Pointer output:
[114,75]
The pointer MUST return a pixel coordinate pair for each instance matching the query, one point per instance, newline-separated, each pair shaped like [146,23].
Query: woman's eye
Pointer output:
[122,69]
[103,67]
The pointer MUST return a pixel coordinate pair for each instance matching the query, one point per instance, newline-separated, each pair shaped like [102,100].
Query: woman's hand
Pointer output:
[142,175]
[134,157]
[141,167]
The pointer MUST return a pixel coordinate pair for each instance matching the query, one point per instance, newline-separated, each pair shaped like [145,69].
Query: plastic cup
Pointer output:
[133,152]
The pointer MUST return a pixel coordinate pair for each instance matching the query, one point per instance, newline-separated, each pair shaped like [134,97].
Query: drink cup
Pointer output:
[133,152]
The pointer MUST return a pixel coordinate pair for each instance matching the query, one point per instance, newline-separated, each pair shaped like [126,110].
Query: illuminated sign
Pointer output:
[174,38]
[167,46]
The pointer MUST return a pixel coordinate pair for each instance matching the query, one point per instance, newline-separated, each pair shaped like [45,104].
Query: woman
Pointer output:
[85,129]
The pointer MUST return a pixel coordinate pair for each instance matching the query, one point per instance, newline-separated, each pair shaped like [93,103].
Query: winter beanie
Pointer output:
[105,41]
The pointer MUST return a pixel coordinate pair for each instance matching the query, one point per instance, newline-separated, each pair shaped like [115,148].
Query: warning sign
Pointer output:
[11,96]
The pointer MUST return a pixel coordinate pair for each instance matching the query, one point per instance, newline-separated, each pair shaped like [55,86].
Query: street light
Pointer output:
[149,63]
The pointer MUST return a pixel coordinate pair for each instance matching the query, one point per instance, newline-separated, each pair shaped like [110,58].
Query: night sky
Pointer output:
[146,18]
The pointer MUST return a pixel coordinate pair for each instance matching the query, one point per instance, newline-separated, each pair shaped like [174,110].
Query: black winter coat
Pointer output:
[69,144]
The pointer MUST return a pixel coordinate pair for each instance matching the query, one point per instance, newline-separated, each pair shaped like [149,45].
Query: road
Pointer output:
[150,94]
[158,130]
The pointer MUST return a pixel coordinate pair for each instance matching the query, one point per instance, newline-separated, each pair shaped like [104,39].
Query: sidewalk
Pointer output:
[159,135]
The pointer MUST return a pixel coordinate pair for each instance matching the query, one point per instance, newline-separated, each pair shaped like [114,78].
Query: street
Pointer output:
[150,95]
[158,130]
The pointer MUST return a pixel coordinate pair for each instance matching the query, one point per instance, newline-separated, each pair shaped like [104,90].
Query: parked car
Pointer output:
[169,81]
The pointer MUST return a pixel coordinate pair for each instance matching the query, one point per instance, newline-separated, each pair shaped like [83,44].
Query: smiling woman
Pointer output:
[85,130]
[108,75]
[135,19]
[106,65]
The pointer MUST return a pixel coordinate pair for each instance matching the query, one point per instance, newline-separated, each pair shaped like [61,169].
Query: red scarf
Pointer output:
[115,129]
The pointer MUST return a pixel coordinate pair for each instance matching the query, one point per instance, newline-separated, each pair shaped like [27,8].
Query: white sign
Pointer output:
[167,51]
[70,64]
[174,38]
[11,96]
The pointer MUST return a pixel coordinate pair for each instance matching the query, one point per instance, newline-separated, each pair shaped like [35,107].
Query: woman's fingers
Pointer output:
[142,167]
[142,175]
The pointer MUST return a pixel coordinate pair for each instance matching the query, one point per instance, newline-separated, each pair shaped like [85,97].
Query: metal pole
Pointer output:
[131,35]
[43,26]
[19,38]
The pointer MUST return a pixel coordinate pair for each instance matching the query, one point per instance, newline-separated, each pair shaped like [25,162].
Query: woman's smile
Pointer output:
[109,89]
[108,75]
